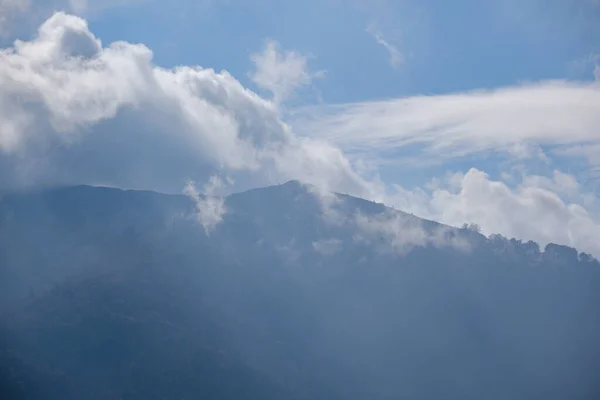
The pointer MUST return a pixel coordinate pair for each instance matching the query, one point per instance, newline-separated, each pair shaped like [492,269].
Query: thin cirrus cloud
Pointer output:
[396,58]
[551,113]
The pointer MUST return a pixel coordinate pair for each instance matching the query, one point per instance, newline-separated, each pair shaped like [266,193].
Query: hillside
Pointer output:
[110,294]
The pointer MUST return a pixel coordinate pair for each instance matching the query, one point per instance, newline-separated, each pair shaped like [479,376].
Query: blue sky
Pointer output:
[447,46]
[482,112]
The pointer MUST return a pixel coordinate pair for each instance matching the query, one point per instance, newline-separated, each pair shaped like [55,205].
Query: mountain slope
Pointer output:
[122,294]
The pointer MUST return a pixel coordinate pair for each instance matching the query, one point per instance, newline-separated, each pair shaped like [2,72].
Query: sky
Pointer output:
[460,112]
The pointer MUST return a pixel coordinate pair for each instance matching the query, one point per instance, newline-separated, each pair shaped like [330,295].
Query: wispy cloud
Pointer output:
[209,205]
[388,230]
[588,66]
[595,61]
[396,58]
[399,233]
[281,72]
[552,113]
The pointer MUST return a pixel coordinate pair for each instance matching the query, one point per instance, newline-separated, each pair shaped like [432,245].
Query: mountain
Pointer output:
[111,294]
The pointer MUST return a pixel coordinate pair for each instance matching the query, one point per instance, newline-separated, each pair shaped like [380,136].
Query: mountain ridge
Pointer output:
[293,187]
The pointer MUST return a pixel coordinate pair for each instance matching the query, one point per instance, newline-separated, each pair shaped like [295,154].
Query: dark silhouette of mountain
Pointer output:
[111,294]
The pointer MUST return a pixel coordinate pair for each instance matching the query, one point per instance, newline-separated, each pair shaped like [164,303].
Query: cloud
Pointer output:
[210,207]
[281,73]
[399,233]
[388,230]
[73,110]
[535,209]
[395,56]
[588,64]
[443,127]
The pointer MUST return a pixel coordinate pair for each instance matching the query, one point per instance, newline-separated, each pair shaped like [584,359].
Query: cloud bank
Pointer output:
[75,111]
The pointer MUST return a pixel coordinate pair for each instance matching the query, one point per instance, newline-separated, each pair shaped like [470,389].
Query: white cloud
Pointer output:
[210,206]
[389,230]
[401,233]
[281,73]
[395,56]
[75,111]
[514,119]
[533,210]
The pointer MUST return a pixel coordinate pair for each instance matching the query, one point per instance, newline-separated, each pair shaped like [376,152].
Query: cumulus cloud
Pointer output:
[209,205]
[517,120]
[73,110]
[281,72]
[395,56]
[536,209]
